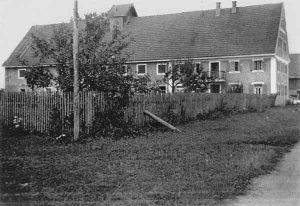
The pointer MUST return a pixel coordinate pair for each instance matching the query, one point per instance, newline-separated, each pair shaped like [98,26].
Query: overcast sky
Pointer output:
[17,16]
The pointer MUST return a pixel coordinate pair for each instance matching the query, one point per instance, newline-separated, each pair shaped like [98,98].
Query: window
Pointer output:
[236,66]
[215,70]
[162,89]
[280,46]
[179,88]
[235,88]
[258,65]
[258,89]
[198,68]
[22,90]
[125,69]
[215,88]
[141,69]
[284,48]
[161,69]
[21,73]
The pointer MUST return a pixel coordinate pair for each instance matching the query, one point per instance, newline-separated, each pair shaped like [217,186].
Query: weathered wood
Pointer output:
[35,109]
[76,73]
[153,116]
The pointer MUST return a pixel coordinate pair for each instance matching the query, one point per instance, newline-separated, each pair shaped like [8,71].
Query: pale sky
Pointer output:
[17,16]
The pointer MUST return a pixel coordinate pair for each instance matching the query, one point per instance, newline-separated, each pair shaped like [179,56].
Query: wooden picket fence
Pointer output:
[35,109]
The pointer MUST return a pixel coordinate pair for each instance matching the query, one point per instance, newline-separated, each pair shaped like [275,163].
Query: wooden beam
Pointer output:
[153,116]
[75,64]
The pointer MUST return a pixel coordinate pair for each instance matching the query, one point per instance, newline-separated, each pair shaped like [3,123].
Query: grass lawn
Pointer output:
[206,163]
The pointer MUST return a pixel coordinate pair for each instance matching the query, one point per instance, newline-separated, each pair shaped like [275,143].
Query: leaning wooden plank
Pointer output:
[161,121]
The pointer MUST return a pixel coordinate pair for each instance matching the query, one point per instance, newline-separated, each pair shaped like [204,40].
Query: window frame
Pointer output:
[19,70]
[258,85]
[232,84]
[157,68]
[163,85]
[209,68]
[137,69]
[179,88]
[126,69]
[234,71]
[236,65]
[195,68]
[261,65]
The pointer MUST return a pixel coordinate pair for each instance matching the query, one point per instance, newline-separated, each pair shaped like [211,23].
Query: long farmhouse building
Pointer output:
[245,46]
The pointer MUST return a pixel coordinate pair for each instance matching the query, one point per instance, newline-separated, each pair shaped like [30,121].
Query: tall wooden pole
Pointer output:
[75,63]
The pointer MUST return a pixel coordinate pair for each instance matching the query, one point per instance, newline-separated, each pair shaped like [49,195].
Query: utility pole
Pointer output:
[76,81]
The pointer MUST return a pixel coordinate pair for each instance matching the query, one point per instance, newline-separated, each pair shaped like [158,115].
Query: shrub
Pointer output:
[111,123]
[15,128]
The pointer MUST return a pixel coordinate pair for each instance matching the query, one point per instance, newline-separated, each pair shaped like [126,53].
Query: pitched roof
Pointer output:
[121,10]
[252,30]
[24,51]
[198,34]
[294,66]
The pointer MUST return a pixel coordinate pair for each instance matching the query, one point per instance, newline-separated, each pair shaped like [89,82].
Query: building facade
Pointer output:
[294,75]
[240,46]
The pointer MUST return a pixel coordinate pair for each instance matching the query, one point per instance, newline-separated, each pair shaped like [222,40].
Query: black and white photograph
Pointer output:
[150,103]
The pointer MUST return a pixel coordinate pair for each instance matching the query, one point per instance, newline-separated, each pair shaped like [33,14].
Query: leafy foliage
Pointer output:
[38,77]
[185,73]
[236,88]
[101,57]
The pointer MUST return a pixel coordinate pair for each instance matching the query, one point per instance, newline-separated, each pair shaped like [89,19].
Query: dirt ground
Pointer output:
[280,188]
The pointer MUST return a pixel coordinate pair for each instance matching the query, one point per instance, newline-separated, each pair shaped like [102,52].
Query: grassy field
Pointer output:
[208,162]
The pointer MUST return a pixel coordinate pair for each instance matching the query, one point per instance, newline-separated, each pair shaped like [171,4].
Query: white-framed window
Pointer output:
[179,88]
[236,66]
[141,69]
[214,69]
[257,65]
[161,69]
[258,87]
[125,69]
[21,73]
[22,90]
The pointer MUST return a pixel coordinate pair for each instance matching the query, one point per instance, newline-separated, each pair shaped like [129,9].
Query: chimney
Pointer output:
[218,8]
[234,9]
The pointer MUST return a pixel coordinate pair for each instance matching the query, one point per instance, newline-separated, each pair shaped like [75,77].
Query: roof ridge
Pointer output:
[226,8]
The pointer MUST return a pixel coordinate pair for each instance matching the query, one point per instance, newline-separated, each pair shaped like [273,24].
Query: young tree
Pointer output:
[38,78]
[186,73]
[198,81]
[101,57]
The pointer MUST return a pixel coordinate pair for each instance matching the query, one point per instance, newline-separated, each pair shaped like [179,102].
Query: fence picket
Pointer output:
[35,109]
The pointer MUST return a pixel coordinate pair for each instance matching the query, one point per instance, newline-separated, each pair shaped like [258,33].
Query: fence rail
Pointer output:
[35,109]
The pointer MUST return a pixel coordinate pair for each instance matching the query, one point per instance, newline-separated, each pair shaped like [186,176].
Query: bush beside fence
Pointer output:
[36,110]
